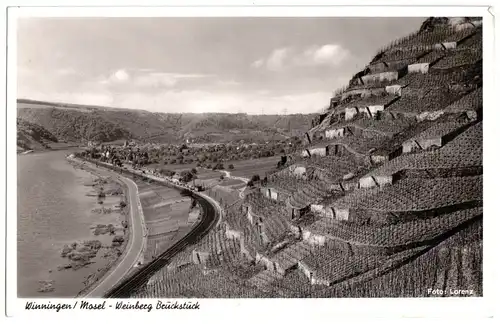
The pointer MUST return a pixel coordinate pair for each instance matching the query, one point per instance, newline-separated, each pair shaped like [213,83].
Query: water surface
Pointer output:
[53,210]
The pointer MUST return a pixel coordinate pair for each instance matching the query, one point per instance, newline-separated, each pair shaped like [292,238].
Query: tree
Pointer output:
[219,166]
[231,167]
[168,173]
[186,176]
[250,183]
[194,171]
[183,147]
[221,177]
[255,178]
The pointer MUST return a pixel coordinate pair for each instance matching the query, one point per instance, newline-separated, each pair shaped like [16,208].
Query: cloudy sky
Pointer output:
[251,65]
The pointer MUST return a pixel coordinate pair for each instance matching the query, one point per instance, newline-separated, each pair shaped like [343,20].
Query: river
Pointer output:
[53,210]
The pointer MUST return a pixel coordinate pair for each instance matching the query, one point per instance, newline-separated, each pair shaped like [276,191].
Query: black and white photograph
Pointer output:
[218,157]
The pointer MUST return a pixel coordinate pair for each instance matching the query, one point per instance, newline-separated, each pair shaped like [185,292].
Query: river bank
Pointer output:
[112,196]
[72,225]
[49,148]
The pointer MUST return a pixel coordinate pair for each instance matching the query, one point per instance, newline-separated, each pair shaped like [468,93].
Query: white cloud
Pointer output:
[120,76]
[147,78]
[277,59]
[329,55]
[155,80]
[326,55]
[258,63]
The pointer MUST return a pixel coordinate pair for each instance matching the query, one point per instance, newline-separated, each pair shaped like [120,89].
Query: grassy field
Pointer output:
[204,174]
[164,203]
[244,168]
[207,178]
[248,168]
[166,213]
[230,182]
[174,167]
[225,195]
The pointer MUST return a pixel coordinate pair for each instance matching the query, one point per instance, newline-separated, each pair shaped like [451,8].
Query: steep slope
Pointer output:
[33,137]
[386,199]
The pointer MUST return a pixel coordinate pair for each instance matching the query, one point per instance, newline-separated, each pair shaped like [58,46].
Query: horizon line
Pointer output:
[74,105]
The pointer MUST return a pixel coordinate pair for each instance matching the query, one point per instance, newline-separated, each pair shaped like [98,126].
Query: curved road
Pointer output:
[245,181]
[228,175]
[137,241]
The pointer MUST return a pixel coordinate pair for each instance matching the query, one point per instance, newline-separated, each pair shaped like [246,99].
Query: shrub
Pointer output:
[123,204]
[186,176]
[231,167]
[255,178]
[168,173]
[218,166]
[101,194]
[117,240]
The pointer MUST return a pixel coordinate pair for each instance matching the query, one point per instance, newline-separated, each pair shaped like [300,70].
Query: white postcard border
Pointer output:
[310,310]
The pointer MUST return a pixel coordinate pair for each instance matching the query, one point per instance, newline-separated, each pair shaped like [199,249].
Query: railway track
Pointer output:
[141,277]
[209,218]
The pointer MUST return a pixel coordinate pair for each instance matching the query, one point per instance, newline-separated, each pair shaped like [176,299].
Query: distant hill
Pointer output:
[33,137]
[71,122]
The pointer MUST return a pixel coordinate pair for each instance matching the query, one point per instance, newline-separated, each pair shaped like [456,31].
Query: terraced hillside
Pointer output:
[386,199]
